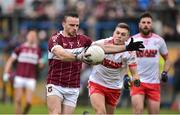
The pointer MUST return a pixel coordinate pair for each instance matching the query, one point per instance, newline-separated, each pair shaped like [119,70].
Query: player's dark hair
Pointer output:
[70,14]
[123,25]
[146,15]
[32,29]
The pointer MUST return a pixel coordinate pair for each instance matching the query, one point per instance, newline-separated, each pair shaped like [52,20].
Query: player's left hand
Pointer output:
[134,46]
[6,77]
[164,76]
[83,56]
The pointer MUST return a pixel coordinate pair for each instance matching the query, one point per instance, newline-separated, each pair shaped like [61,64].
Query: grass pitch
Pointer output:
[42,109]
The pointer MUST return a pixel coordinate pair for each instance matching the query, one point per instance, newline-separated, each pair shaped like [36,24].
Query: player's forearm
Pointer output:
[65,56]
[167,65]
[135,76]
[8,66]
[61,54]
[134,72]
[68,57]
[113,48]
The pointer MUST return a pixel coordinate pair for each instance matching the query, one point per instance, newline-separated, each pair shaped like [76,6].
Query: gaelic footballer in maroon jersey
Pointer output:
[28,56]
[65,55]
[66,74]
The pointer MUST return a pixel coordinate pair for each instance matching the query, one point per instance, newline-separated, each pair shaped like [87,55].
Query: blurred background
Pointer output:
[98,20]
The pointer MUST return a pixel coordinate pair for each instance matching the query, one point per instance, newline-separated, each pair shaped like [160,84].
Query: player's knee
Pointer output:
[18,100]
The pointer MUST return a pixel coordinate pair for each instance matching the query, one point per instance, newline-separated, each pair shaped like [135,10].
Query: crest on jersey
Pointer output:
[65,45]
[71,44]
[54,38]
[50,89]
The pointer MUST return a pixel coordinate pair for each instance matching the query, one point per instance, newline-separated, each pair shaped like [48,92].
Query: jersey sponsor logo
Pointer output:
[111,64]
[146,53]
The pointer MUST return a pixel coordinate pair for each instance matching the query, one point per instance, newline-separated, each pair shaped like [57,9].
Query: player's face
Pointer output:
[32,37]
[145,25]
[71,26]
[120,35]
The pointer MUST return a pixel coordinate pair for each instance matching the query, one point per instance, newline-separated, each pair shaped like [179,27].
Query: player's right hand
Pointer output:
[137,82]
[134,46]
[164,76]
[83,56]
[126,82]
[5,77]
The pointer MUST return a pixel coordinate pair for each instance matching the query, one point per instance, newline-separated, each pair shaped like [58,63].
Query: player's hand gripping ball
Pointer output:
[97,54]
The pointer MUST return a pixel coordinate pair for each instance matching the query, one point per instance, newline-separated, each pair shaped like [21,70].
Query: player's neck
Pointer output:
[66,35]
[146,36]
[31,44]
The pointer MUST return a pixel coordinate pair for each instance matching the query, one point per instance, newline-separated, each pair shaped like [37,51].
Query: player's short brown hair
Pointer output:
[70,14]
[145,15]
[123,25]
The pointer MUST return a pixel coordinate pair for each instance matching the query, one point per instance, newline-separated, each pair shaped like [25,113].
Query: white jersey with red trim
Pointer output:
[148,59]
[111,71]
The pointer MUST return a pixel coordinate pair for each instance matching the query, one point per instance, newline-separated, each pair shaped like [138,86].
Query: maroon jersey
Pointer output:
[27,58]
[65,74]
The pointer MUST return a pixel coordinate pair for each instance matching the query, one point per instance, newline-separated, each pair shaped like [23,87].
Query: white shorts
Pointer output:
[68,95]
[21,82]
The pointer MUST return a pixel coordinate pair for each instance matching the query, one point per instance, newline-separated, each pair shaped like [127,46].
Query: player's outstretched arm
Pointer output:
[132,46]
[63,55]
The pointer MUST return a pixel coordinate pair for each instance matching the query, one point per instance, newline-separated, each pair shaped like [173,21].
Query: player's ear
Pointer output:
[63,23]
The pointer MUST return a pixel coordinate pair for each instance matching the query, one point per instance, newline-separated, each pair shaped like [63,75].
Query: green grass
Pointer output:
[42,109]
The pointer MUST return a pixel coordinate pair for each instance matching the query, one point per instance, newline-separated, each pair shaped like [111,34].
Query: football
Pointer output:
[97,54]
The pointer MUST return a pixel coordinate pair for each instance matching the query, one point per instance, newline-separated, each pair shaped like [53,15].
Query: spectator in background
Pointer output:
[28,56]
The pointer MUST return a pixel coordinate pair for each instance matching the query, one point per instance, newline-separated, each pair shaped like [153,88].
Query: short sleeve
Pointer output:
[163,48]
[131,58]
[53,41]
[16,52]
